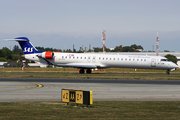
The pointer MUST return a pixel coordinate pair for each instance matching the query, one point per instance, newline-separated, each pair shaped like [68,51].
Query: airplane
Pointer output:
[87,61]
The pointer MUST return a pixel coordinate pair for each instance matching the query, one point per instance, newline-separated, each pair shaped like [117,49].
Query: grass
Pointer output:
[111,73]
[99,110]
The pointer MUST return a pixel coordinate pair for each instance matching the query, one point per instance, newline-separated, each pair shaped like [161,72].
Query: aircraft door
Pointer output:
[153,62]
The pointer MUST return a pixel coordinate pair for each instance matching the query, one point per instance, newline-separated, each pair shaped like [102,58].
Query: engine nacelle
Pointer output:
[47,55]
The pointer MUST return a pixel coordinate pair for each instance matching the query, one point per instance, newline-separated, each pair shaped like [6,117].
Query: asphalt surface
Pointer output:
[49,89]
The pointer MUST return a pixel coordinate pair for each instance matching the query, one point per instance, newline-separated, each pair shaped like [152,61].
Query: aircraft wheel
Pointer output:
[81,71]
[88,71]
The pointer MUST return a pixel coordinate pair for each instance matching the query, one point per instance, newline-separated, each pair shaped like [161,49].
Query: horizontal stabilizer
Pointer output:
[15,40]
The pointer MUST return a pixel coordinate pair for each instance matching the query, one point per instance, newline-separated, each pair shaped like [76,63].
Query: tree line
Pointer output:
[7,55]
[132,48]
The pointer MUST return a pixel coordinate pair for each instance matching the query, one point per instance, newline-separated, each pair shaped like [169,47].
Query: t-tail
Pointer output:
[26,45]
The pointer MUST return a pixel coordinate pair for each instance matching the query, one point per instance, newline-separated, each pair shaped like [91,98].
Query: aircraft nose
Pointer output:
[175,66]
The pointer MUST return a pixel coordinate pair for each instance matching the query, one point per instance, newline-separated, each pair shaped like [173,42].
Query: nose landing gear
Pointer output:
[168,72]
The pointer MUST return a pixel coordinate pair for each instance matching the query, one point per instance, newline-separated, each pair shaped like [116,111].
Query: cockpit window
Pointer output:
[165,60]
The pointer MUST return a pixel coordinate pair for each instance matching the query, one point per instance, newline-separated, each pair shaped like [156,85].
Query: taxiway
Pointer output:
[49,89]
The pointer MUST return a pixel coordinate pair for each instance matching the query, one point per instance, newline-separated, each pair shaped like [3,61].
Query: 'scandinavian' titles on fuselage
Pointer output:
[90,61]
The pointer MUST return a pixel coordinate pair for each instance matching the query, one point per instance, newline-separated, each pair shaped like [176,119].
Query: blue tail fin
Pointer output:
[26,45]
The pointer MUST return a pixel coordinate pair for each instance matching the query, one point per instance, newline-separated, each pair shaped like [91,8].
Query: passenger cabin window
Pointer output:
[81,57]
[121,58]
[103,58]
[77,57]
[125,59]
[66,56]
[106,58]
[129,59]
[69,57]
[118,59]
[99,58]
[109,58]
[62,56]
[84,57]
[73,57]
[144,59]
[137,59]
[114,58]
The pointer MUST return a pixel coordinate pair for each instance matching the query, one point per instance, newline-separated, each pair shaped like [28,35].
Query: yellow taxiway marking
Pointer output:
[29,88]
[3,86]
[19,86]
[95,87]
[71,87]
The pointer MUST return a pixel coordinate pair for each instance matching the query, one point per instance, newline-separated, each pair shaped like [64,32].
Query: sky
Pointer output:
[62,23]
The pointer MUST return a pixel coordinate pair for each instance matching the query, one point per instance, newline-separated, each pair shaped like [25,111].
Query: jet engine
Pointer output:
[47,55]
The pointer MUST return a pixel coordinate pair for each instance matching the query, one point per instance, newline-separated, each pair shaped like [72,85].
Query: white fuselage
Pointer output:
[93,60]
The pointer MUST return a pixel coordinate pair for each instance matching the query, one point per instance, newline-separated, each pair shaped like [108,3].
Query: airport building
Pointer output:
[2,64]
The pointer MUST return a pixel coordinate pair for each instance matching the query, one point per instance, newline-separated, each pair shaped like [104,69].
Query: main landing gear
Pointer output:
[88,71]
[81,71]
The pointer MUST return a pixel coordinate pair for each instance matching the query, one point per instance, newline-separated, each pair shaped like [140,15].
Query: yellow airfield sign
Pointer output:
[77,96]
[65,95]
